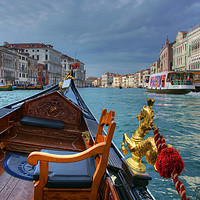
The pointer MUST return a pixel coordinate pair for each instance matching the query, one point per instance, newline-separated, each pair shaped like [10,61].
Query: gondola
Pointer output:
[45,137]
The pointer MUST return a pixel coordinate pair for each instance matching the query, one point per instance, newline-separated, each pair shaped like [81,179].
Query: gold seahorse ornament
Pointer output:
[137,145]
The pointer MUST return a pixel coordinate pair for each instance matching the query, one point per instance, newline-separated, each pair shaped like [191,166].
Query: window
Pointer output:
[46,56]
[33,50]
[38,57]
[23,75]
[20,75]
[37,50]
[33,56]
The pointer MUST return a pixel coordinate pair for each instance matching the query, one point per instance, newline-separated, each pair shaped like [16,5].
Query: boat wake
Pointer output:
[194,94]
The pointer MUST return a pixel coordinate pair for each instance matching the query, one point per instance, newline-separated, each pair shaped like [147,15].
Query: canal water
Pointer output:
[178,119]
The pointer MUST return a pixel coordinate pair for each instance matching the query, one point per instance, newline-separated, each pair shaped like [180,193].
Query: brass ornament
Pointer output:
[137,145]
[86,134]
[68,76]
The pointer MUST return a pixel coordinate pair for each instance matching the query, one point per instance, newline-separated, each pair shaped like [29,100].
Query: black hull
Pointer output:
[169,91]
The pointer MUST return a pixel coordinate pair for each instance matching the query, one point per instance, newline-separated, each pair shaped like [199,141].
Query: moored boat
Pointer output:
[6,87]
[33,87]
[28,87]
[171,82]
[57,120]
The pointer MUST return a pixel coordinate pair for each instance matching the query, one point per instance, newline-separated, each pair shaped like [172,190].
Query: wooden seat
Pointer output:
[99,151]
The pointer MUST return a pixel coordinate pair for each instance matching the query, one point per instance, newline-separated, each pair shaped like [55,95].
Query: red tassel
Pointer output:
[168,161]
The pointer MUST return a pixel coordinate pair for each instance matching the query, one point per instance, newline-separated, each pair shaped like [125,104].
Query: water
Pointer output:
[177,116]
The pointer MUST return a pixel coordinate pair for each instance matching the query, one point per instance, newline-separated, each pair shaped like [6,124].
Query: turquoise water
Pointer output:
[177,116]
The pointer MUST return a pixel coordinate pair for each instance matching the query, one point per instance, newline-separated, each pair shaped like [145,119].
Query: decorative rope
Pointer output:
[169,163]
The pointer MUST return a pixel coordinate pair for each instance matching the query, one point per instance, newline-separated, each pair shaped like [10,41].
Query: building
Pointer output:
[89,81]
[78,73]
[166,56]
[193,38]
[155,67]
[66,63]
[117,81]
[74,67]
[8,66]
[137,80]
[131,78]
[44,54]
[33,72]
[124,79]
[42,75]
[107,79]
[145,75]
[180,52]
[23,69]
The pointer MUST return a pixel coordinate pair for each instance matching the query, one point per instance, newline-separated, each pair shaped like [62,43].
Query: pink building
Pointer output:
[166,56]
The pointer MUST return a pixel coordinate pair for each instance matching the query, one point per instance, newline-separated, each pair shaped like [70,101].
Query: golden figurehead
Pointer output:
[137,145]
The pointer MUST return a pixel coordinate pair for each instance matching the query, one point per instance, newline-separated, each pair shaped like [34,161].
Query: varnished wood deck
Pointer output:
[12,188]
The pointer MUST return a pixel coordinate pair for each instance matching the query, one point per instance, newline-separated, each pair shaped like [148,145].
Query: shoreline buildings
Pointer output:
[36,63]
[180,55]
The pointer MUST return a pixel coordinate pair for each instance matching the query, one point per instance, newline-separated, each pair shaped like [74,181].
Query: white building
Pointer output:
[193,38]
[117,81]
[180,52]
[131,80]
[107,79]
[8,66]
[23,68]
[44,54]
[66,63]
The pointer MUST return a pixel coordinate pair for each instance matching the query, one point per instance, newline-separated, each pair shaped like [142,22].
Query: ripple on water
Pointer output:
[177,116]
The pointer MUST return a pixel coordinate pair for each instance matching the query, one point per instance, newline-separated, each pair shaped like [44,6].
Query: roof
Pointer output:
[65,57]
[27,45]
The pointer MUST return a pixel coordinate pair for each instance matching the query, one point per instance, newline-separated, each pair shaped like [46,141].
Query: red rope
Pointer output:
[170,169]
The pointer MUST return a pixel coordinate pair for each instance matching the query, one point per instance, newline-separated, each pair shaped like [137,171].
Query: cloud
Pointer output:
[122,34]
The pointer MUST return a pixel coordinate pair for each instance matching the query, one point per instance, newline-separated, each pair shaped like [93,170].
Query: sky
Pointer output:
[118,36]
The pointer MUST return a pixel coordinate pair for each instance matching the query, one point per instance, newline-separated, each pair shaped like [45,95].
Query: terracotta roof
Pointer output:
[183,31]
[27,45]
[92,78]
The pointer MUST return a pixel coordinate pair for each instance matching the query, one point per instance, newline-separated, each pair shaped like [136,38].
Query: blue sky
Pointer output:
[119,36]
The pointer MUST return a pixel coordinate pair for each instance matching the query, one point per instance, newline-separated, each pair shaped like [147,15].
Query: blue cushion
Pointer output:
[42,122]
[68,175]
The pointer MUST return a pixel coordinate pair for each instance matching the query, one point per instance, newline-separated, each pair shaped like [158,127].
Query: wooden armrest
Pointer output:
[34,157]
